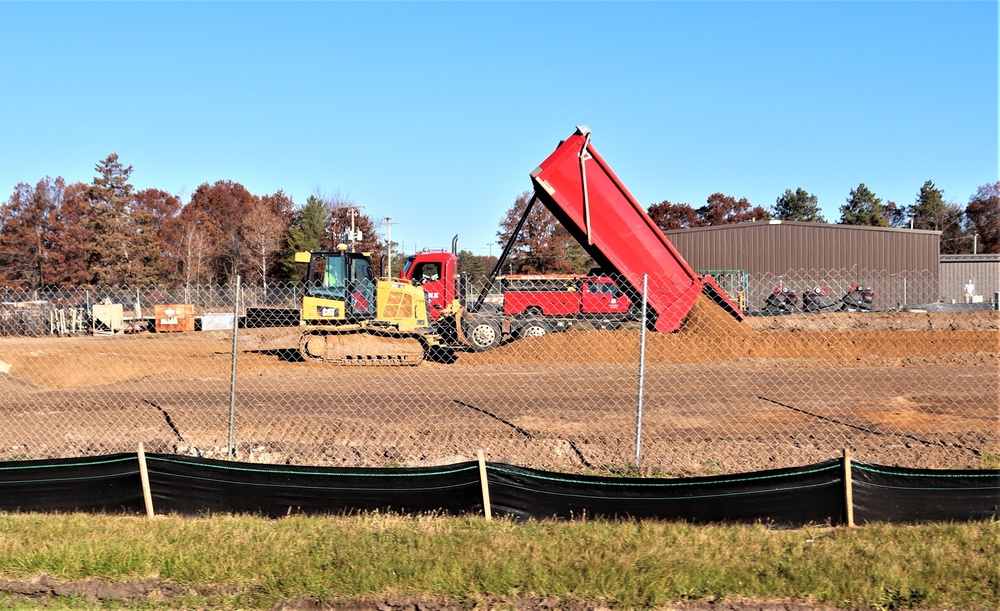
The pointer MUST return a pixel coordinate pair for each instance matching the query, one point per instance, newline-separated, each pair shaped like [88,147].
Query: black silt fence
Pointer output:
[96,484]
[892,494]
[795,496]
[191,486]
[814,493]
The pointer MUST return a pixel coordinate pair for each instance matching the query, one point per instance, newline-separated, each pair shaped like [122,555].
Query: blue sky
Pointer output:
[435,113]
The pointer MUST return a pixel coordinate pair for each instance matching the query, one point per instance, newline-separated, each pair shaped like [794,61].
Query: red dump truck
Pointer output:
[530,305]
[586,196]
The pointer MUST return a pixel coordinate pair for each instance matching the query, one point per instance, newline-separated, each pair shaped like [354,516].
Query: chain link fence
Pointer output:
[584,388]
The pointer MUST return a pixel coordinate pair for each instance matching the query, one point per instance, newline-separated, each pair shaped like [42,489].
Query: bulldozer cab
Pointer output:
[345,277]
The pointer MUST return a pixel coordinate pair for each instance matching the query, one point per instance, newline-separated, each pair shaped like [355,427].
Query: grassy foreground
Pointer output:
[245,562]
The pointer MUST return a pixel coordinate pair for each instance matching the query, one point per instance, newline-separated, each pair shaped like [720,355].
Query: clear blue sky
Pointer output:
[435,113]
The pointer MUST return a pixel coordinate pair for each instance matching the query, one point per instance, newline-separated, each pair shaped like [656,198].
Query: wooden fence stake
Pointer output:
[147,496]
[486,487]
[848,488]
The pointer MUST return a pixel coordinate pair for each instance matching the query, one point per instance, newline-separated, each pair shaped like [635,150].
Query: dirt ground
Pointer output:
[99,591]
[910,389]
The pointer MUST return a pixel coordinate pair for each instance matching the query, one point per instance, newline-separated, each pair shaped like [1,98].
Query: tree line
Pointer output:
[108,233]
[976,225]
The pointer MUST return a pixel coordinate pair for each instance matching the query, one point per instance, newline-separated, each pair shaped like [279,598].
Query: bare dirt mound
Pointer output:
[710,334]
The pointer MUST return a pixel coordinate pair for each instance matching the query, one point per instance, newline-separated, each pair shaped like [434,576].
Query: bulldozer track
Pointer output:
[361,348]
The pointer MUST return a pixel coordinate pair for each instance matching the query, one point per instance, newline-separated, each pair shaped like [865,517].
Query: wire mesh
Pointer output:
[94,371]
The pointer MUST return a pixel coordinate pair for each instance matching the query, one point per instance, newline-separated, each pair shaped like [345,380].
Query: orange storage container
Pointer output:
[174,317]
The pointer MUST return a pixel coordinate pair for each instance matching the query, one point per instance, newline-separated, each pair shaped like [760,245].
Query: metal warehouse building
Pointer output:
[901,265]
[984,270]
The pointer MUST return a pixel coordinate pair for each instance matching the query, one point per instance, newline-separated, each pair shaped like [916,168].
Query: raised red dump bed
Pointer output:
[582,192]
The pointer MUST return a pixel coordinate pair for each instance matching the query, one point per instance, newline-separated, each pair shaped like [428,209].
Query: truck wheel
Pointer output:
[533,311]
[534,328]
[483,334]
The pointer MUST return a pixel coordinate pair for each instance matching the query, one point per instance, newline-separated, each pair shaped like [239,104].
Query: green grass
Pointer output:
[991,457]
[253,563]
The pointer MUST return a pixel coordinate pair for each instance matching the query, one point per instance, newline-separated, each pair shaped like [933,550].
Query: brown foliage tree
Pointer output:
[70,240]
[24,220]
[983,217]
[342,215]
[265,231]
[543,245]
[218,212]
[195,250]
[723,209]
[668,216]
[155,213]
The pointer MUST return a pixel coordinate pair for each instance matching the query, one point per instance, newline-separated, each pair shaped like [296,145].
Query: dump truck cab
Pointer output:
[437,274]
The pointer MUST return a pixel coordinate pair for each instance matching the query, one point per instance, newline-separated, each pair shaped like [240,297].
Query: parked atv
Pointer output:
[858,299]
[782,300]
[817,299]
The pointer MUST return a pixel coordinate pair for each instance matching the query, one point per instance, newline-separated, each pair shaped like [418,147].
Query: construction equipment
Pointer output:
[859,298]
[818,299]
[586,196]
[782,300]
[528,305]
[350,317]
[582,192]
[563,295]
[347,316]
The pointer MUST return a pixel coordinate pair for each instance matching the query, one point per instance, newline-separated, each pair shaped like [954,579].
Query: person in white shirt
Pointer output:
[970,290]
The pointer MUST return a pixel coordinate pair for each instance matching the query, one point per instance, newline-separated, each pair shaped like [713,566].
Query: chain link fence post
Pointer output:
[642,374]
[230,449]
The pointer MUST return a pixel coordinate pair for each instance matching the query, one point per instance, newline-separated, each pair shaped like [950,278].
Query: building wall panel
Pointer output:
[984,270]
[900,264]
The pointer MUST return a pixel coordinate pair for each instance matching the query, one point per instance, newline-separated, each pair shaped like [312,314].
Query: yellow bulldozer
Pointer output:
[348,316]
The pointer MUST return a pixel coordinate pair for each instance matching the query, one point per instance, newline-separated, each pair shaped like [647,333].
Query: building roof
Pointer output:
[980,258]
[820,226]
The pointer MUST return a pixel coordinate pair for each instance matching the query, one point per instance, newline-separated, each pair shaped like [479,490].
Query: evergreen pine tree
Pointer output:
[306,235]
[863,208]
[929,210]
[798,206]
[109,196]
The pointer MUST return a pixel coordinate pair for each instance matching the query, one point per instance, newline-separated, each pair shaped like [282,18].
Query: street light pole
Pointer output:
[388,245]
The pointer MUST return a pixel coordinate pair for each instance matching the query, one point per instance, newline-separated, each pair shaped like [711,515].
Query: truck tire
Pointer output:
[534,328]
[533,311]
[483,333]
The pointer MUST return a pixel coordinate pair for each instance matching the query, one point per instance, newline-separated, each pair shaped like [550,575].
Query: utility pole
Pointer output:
[353,211]
[388,245]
